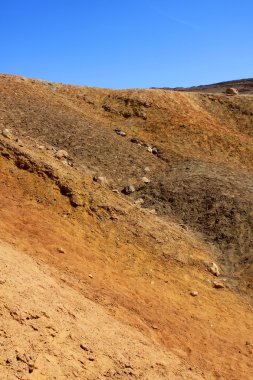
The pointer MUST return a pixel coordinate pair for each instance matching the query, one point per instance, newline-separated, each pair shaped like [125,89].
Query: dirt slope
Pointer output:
[137,264]
[204,144]
[55,333]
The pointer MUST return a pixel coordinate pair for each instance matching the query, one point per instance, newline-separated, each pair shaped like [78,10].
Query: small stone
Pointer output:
[61,154]
[149,149]
[145,180]
[128,189]
[194,293]
[139,201]
[101,180]
[152,211]
[120,132]
[76,200]
[146,169]
[155,327]
[134,140]
[90,275]
[60,250]
[218,285]
[41,147]
[214,269]
[7,133]
[154,150]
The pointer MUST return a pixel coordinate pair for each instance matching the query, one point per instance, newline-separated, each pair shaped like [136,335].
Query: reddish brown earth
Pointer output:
[84,265]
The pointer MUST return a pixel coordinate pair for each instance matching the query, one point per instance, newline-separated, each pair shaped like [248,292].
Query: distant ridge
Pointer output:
[243,85]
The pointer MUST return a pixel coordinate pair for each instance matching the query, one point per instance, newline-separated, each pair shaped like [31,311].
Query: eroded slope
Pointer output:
[139,267]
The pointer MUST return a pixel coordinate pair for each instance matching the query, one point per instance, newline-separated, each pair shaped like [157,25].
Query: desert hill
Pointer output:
[244,86]
[126,197]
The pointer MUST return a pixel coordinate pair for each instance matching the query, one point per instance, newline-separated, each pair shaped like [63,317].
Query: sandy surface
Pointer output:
[50,331]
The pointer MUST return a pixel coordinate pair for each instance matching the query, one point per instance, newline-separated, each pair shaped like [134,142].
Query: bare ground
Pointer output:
[121,269]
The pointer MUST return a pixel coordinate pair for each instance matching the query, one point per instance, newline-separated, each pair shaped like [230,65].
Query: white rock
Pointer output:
[139,201]
[7,133]
[101,180]
[145,180]
[61,154]
[214,269]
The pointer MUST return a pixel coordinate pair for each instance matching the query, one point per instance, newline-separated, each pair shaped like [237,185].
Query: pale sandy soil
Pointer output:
[50,331]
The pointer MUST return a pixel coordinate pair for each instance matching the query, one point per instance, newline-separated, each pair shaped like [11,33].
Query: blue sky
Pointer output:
[125,44]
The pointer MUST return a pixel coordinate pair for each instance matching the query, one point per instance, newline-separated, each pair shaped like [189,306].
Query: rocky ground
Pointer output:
[126,233]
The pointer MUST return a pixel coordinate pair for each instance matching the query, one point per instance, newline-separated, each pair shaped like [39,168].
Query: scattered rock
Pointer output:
[100,180]
[149,149]
[76,200]
[83,347]
[154,150]
[134,140]
[145,180]
[139,201]
[218,285]
[60,250]
[214,269]
[232,91]
[61,154]
[120,132]
[90,275]
[128,190]
[146,169]
[194,293]
[7,133]
[155,327]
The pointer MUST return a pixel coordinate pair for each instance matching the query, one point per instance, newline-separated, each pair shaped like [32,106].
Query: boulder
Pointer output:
[232,91]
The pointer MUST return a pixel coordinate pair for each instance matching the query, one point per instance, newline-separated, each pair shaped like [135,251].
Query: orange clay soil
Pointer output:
[139,267]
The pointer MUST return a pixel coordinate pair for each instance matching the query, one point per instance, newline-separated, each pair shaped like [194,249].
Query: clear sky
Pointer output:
[130,43]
